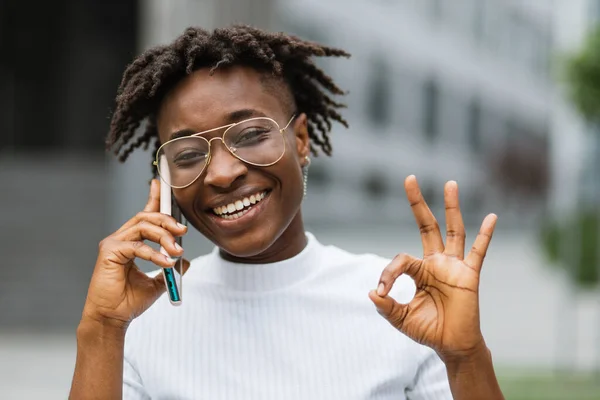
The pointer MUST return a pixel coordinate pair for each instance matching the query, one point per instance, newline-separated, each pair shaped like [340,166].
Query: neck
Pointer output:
[289,244]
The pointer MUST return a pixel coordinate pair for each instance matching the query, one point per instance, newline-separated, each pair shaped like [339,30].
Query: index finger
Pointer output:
[428,226]
[401,264]
[153,203]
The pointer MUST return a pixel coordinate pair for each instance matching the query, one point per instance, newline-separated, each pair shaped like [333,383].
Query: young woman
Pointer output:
[271,313]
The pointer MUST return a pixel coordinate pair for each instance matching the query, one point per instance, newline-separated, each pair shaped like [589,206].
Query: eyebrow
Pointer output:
[232,117]
[242,114]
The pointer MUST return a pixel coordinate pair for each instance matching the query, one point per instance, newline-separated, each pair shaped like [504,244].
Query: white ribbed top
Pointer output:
[303,328]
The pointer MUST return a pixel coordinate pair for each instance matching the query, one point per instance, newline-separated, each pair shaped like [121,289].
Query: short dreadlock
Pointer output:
[150,76]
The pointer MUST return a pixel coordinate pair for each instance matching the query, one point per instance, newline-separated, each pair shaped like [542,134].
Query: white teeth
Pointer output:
[229,211]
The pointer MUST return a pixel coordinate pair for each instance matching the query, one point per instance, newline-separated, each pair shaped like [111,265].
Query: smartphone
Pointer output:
[172,276]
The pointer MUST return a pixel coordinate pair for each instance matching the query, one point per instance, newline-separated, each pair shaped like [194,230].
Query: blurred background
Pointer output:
[501,95]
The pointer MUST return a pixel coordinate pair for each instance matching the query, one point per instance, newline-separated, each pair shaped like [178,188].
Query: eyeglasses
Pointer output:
[256,141]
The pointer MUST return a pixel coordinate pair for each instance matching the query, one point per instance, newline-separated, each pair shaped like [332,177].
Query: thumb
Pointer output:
[394,312]
[159,280]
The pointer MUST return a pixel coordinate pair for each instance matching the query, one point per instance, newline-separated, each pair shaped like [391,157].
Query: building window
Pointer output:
[375,185]
[431,100]
[406,88]
[379,95]
[474,125]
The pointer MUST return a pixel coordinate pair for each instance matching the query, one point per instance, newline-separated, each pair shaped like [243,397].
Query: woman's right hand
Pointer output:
[119,291]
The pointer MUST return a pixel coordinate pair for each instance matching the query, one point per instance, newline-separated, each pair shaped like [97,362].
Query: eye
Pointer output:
[188,157]
[252,136]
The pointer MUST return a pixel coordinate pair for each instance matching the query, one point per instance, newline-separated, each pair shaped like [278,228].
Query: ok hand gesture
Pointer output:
[444,314]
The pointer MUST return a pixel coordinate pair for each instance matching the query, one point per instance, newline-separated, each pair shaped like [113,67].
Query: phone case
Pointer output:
[172,276]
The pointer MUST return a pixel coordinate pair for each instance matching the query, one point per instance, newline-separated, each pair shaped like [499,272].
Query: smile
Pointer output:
[240,207]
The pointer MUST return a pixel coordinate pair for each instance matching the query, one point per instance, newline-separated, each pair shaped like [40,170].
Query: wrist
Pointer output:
[471,374]
[468,365]
[90,328]
[471,357]
[92,316]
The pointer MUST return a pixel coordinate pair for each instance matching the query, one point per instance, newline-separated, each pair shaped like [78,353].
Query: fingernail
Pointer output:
[177,246]
[170,260]
[380,289]
[181,226]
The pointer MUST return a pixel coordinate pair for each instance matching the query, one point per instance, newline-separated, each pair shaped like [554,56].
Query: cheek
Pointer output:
[291,183]
[185,201]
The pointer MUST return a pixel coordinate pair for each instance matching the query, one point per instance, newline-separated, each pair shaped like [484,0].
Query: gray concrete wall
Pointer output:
[53,214]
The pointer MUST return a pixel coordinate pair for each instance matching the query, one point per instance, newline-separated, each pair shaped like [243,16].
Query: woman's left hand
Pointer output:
[444,313]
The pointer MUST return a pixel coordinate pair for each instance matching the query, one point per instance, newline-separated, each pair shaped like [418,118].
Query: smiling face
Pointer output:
[269,227]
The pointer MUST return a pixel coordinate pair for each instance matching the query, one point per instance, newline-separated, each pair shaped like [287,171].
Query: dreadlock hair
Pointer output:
[151,75]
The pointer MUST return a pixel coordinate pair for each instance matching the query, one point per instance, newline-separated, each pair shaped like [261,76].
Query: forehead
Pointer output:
[201,101]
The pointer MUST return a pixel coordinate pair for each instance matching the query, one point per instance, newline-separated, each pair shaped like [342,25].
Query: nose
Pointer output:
[223,169]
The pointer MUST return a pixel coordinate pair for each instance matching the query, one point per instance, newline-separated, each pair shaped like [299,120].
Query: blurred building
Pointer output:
[59,71]
[444,90]
[62,193]
[459,89]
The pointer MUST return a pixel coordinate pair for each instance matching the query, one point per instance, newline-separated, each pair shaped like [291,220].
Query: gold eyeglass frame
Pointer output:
[222,138]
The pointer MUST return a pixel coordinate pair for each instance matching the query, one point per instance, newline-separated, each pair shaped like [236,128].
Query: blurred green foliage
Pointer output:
[580,236]
[582,73]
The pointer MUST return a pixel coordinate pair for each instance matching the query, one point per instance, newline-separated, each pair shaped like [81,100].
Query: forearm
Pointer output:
[99,365]
[473,377]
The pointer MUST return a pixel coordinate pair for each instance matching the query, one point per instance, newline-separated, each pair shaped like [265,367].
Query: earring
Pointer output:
[305,172]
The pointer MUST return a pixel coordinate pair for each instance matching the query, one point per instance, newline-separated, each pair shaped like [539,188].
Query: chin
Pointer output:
[248,245]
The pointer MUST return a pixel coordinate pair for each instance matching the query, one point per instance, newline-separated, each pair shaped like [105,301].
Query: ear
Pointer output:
[301,134]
